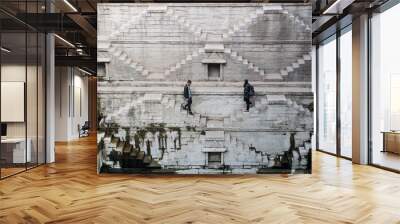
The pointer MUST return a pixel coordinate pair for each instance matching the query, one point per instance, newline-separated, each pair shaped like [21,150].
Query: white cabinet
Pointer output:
[19,155]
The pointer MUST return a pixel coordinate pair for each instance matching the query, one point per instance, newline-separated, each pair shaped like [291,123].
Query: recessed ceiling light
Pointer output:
[64,40]
[70,5]
[5,50]
[84,71]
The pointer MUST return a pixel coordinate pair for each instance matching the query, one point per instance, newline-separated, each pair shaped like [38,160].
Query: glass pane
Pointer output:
[13,87]
[41,98]
[385,84]
[327,96]
[31,97]
[346,94]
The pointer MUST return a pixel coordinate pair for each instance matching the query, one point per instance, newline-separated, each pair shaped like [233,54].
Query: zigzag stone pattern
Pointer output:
[235,55]
[297,64]
[252,18]
[125,24]
[196,30]
[184,61]
[124,57]
[145,126]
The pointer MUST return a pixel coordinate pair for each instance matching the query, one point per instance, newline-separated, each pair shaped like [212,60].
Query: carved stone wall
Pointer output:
[147,52]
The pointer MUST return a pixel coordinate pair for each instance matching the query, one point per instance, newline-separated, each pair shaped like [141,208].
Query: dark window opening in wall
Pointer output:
[214,71]
[214,158]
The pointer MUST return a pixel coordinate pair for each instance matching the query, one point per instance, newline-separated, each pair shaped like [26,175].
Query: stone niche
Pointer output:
[147,53]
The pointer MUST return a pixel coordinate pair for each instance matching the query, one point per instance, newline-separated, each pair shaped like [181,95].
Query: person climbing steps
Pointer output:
[187,94]
[248,92]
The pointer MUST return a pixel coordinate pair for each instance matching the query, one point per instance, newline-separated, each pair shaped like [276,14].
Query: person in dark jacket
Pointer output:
[247,93]
[187,94]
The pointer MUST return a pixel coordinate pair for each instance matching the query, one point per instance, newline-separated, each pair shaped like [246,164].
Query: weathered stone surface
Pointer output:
[147,52]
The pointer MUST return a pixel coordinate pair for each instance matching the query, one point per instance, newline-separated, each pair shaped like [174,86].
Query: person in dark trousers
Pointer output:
[187,94]
[247,93]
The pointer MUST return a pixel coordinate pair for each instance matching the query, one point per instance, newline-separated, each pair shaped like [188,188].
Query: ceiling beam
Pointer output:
[86,27]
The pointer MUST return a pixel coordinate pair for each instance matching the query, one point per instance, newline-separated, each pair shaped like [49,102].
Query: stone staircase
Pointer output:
[167,102]
[195,120]
[182,62]
[297,106]
[305,148]
[263,102]
[252,18]
[122,56]
[257,157]
[195,29]
[127,23]
[214,141]
[301,61]
[296,19]
[125,155]
[251,66]
[267,158]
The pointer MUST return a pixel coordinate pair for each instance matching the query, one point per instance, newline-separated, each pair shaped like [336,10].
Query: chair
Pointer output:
[84,130]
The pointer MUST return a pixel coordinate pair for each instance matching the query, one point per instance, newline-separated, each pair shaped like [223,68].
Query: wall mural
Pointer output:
[153,120]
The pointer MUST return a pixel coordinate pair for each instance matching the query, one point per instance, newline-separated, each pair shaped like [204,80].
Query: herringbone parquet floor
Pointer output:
[70,191]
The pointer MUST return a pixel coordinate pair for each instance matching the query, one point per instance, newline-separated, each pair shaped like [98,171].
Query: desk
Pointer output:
[391,142]
[13,150]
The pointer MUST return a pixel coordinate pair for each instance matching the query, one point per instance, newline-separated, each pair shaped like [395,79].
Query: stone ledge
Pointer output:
[197,91]
[195,84]
[214,150]
[215,135]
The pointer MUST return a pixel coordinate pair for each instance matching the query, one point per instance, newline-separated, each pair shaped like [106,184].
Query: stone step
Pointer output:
[215,135]
[164,101]
[137,67]
[272,8]
[263,101]
[145,72]
[214,144]
[274,76]
[154,164]
[276,99]
[307,57]
[221,149]
[215,123]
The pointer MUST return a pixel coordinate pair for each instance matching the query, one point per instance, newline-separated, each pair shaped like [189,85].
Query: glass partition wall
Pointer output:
[327,95]
[22,77]
[345,65]
[334,93]
[385,89]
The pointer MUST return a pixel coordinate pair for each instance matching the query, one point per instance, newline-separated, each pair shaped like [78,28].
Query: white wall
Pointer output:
[14,73]
[70,83]
[33,126]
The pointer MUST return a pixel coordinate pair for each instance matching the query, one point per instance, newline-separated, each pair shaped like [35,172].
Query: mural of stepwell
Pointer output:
[153,120]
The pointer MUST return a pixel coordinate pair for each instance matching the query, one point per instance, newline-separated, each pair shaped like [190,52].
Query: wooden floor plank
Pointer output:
[70,191]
